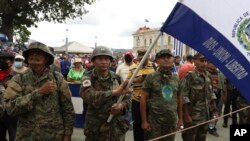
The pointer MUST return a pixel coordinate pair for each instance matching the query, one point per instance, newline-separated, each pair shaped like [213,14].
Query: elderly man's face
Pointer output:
[37,60]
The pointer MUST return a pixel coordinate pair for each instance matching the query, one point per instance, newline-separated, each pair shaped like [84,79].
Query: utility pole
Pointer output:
[95,41]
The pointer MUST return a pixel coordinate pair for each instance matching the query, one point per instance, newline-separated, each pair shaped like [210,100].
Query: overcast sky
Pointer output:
[109,22]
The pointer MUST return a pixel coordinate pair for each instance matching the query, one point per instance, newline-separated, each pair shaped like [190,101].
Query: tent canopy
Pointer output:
[74,47]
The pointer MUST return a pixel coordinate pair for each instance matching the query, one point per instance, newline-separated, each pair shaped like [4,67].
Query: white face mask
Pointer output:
[18,64]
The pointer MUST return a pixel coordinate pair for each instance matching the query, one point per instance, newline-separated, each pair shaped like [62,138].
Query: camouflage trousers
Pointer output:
[159,130]
[108,132]
[244,115]
[120,138]
[196,134]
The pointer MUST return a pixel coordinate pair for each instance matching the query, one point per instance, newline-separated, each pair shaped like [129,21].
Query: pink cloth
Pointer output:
[184,68]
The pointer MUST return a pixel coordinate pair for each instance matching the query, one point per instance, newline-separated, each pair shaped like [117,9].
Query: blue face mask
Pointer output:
[18,64]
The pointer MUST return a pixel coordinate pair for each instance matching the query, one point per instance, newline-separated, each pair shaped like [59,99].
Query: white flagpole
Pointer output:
[136,71]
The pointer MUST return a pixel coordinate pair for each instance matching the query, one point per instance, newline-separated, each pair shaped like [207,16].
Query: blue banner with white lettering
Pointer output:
[219,29]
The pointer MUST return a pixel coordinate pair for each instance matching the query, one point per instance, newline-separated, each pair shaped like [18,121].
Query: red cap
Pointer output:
[128,54]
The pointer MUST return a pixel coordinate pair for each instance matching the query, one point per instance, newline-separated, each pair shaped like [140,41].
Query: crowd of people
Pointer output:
[166,95]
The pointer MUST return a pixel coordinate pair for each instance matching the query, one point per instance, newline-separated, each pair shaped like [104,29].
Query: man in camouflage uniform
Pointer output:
[162,98]
[101,89]
[199,100]
[41,99]
[217,81]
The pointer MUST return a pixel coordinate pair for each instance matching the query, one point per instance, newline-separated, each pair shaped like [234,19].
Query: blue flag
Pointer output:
[219,29]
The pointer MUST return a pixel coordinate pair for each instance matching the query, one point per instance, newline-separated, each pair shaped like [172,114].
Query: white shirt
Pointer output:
[123,70]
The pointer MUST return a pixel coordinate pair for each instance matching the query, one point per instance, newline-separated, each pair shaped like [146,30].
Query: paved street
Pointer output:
[223,132]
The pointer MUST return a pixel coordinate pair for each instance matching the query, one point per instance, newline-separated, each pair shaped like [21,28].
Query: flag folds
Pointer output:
[219,29]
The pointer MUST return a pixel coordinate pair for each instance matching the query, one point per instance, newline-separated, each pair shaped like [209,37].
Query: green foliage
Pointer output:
[26,13]
[22,34]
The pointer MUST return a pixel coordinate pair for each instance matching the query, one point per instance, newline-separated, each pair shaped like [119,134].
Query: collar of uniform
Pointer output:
[43,76]
[205,73]
[111,74]
[165,71]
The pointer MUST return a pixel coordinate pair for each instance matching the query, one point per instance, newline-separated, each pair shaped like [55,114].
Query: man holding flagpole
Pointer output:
[101,89]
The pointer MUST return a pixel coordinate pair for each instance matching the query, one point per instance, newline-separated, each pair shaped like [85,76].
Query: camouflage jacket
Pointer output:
[44,118]
[196,90]
[162,101]
[98,96]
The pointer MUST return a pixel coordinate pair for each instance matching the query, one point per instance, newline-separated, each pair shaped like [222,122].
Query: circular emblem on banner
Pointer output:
[243,34]
[167,92]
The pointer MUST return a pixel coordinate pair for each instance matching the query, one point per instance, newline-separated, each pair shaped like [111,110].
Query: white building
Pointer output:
[145,36]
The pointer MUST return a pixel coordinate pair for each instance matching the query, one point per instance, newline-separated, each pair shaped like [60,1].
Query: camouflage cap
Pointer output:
[198,56]
[141,52]
[41,48]
[163,52]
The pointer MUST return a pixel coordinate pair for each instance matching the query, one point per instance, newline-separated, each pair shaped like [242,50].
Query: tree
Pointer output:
[22,34]
[15,14]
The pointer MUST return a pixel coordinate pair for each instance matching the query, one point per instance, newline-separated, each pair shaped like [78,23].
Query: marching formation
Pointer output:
[166,95]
